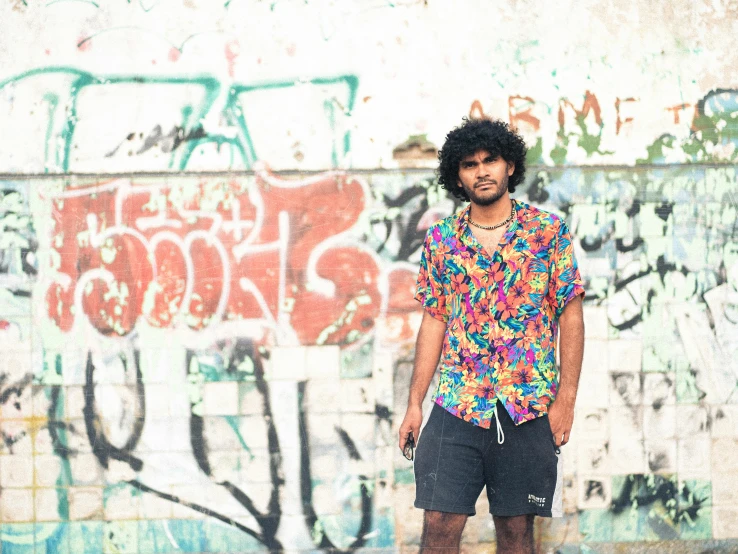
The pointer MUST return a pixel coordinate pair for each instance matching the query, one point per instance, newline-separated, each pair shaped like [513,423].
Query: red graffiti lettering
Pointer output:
[266,250]
[590,103]
[620,122]
[519,110]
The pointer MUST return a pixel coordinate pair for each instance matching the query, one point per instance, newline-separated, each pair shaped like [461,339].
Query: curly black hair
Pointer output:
[494,136]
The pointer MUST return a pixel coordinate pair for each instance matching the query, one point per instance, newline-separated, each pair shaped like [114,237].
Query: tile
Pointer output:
[357,395]
[625,525]
[321,428]
[121,502]
[152,506]
[251,399]
[189,494]
[595,322]
[86,470]
[220,435]
[693,457]
[42,400]
[43,443]
[693,422]
[180,434]
[661,456]
[725,455]
[624,355]
[17,505]
[322,362]
[697,528]
[76,436]
[725,421]
[157,400]
[627,452]
[659,389]
[287,363]
[85,503]
[74,401]
[220,398]
[555,531]
[171,535]
[46,505]
[18,399]
[118,472]
[120,537]
[47,470]
[687,390]
[382,373]
[593,360]
[16,471]
[570,494]
[85,537]
[592,422]
[593,456]
[627,389]
[322,396]
[724,522]
[595,525]
[660,423]
[594,389]
[156,436]
[357,361]
[594,491]
[53,536]
[724,489]
[225,466]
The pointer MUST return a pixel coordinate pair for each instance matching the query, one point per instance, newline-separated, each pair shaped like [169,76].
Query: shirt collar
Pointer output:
[462,219]
[515,228]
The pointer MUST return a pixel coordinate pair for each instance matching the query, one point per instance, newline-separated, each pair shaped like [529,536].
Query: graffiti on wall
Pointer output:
[211,123]
[202,118]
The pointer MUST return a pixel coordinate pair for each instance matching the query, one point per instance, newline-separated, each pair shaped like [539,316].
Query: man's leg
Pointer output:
[441,532]
[514,534]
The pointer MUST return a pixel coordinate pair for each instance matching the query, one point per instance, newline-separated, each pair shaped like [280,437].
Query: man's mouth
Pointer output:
[484,184]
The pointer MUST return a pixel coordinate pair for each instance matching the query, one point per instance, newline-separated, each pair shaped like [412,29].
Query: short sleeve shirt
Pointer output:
[501,312]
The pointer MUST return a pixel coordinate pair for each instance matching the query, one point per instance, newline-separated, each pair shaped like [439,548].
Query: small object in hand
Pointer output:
[409,450]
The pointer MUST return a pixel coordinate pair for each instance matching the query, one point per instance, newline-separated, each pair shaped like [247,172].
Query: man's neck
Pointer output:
[492,214]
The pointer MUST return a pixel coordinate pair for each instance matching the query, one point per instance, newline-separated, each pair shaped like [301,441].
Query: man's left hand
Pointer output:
[561,418]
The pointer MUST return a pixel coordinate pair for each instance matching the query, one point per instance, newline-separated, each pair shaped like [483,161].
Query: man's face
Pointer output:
[484,178]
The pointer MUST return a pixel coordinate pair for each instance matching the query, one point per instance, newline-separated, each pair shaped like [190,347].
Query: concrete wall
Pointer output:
[211,216]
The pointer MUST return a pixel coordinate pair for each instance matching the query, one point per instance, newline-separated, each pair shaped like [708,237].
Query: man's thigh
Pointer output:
[524,473]
[449,471]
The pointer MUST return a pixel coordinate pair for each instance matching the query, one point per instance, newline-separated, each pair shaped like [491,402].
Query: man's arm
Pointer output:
[571,350]
[427,353]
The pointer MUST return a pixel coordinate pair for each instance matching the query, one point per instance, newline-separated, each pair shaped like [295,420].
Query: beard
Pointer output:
[488,197]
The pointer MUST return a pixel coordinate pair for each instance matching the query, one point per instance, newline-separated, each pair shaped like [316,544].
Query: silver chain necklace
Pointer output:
[493,227]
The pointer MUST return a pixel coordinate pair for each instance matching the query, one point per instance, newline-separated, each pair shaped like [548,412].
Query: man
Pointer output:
[497,281]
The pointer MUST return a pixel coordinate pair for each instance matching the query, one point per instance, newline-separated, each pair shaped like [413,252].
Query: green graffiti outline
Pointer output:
[233,110]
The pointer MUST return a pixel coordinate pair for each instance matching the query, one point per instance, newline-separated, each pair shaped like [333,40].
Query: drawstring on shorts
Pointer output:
[500,434]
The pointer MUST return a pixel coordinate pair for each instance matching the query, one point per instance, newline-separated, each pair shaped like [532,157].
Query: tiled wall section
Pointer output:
[219,365]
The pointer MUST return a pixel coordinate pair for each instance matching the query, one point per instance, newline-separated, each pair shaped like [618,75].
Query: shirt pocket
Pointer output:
[531,277]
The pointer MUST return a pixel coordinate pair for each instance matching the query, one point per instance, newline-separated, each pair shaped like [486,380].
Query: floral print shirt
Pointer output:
[501,312]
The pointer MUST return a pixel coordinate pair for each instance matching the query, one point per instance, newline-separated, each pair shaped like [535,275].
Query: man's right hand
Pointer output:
[411,424]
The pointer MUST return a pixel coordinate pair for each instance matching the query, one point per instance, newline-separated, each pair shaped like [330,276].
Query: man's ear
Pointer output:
[510,168]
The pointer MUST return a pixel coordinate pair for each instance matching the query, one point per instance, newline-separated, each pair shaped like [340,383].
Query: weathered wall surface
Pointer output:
[217,362]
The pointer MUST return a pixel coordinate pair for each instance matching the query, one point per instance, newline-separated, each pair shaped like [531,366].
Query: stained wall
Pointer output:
[211,221]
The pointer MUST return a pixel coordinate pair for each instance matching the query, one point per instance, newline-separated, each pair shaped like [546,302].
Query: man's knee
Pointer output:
[515,532]
[443,525]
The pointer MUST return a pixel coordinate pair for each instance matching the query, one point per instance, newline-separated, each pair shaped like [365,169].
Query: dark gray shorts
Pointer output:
[455,460]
